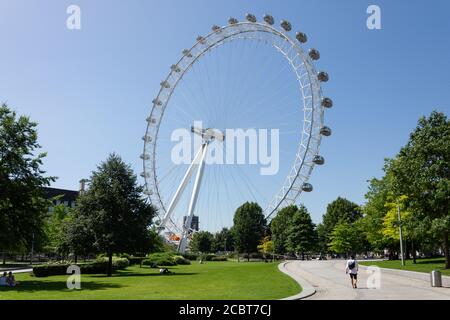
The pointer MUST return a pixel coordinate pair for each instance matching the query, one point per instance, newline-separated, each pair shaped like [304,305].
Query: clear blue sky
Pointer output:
[90,90]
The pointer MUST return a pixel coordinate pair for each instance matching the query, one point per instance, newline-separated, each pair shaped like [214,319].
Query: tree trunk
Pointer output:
[4,257]
[413,248]
[248,257]
[109,264]
[76,258]
[446,251]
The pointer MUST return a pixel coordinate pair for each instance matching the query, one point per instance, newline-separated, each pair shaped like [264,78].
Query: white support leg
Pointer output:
[181,187]
[198,180]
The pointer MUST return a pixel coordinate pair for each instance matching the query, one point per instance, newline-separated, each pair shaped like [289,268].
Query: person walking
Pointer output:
[352,269]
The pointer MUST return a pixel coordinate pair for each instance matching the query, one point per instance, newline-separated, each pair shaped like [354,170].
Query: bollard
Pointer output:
[436,278]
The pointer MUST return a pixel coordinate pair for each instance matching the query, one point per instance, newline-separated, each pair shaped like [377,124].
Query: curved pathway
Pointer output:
[330,282]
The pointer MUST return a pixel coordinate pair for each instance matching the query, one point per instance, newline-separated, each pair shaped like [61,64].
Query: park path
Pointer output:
[330,282]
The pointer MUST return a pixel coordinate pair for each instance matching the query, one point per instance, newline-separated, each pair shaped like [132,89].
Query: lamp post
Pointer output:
[401,235]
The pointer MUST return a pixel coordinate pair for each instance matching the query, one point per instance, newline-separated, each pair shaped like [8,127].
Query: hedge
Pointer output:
[96,267]
[219,258]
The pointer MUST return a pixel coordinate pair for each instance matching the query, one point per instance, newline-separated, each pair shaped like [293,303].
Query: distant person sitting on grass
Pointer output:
[11,280]
[352,268]
[164,271]
[3,279]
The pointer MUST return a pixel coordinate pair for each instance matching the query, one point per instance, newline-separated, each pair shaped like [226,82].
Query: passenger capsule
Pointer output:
[187,53]
[327,102]
[325,131]
[175,68]
[145,156]
[216,28]
[157,102]
[307,187]
[314,54]
[165,84]
[232,21]
[286,25]
[145,174]
[301,37]
[318,160]
[147,138]
[269,19]
[201,39]
[322,76]
[148,192]
[250,17]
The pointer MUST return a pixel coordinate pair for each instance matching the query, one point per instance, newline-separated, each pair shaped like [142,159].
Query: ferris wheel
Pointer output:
[246,74]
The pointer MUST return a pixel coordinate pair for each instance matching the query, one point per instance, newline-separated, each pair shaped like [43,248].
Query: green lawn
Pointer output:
[212,280]
[422,265]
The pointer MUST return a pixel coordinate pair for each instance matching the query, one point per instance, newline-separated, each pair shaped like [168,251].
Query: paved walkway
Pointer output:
[331,283]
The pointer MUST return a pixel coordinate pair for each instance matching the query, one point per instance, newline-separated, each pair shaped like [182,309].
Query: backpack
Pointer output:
[351,266]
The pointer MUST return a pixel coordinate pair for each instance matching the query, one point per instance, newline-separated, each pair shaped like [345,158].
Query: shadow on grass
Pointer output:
[36,285]
[134,274]
[429,262]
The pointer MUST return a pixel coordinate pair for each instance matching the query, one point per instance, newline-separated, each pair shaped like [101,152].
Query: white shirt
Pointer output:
[2,281]
[355,269]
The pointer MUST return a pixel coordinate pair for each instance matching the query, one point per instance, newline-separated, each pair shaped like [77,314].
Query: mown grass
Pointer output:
[211,280]
[422,265]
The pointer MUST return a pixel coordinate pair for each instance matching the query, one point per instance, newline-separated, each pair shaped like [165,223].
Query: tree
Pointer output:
[201,242]
[342,238]
[421,171]
[223,240]
[339,210]
[249,227]
[266,246]
[278,227]
[301,234]
[114,212]
[22,206]
[375,210]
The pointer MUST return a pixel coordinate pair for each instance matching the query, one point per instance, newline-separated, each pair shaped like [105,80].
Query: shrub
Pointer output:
[190,256]
[181,260]
[219,258]
[46,270]
[135,260]
[148,262]
[206,257]
[96,267]
[117,263]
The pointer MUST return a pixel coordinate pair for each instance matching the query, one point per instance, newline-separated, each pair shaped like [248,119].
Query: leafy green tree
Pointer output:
[339,210]
[223,240]
[114,212]
[342,238]
[249,227]
[53,226]
[22,206]
[301,233]
[375,210]
[421,171]
[321,245]
[202,242]
[278,227]
[156,242]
